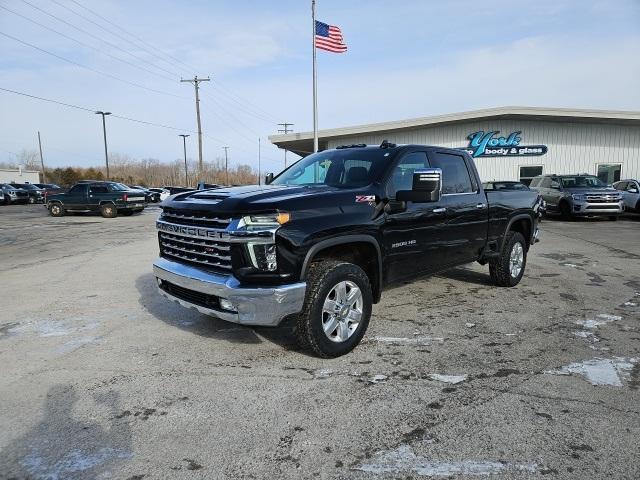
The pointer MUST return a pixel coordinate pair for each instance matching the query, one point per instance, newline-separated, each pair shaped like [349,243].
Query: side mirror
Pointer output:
[268,178]
[633,190]
[555,185]
[427,187]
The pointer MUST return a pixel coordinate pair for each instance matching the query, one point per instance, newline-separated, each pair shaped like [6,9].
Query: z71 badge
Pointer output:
[370,199]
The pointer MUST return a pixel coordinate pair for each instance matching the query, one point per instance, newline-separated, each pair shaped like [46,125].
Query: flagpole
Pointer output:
[315,81]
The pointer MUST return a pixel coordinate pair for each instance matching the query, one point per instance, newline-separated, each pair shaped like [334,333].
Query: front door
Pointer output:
[76,197]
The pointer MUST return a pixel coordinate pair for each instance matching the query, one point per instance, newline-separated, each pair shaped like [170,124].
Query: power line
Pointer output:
[113,45]
[140,40]
[108,31]
[251,105]
[196,81]
[90,68]
[86,44]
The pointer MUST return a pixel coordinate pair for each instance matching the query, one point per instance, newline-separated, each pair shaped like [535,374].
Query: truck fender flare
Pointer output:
[516,218]
[102,202]
[332,242]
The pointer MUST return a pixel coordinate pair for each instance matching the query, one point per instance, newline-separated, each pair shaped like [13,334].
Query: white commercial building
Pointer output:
[19,175]
[508,143]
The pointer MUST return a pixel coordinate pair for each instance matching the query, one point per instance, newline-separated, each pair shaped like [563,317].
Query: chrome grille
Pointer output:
[194,217]
[603,198]
[215,254]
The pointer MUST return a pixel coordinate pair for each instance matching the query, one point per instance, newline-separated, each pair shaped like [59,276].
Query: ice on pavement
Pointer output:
[448,378]
[600,371]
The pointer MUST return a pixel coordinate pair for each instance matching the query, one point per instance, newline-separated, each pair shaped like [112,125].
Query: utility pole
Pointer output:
[259,166]
[184,146]
[226,163]
[285,129]
[195,80]
[104,131]
[44,175]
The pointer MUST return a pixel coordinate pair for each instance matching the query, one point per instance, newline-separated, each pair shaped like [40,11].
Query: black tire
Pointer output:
[613,218]
[127,213]
[501,268]
[6,200]
[56,210]
[108,210]
[637,209]
[322,281]
[565,211]
[32,200]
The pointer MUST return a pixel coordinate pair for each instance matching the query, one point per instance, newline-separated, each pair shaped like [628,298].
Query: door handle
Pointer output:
[439,210]
[480,205]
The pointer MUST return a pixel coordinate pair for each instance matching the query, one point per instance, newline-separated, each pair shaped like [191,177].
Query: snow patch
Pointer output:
[630,304]
[70,463]
[404,460]
[586,334]
[601,319]
[55,328]
[378,378]
[469,325]
[418,339]
[323,373]
[600,371]
[571,265]
[454,379]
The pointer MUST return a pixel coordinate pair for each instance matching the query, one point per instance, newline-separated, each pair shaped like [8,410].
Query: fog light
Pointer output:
[227,305]
[264,256]
[159,281]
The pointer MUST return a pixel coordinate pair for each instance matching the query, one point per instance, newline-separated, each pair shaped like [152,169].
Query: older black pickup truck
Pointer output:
[326,236]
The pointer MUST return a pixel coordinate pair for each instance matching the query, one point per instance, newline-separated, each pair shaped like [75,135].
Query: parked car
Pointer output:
[13,194]
[49,188]
[325,237]
[36,194]
[578,195]
[162,192]
[630,194]
[150,196]
[108,198]
[504,185]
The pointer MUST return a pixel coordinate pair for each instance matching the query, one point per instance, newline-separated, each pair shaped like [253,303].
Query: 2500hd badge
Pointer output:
[300,247]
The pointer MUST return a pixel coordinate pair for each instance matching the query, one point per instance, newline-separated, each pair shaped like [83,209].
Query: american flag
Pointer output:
[329,38]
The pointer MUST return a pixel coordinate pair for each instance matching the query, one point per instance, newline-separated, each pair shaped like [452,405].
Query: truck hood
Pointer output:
[265,198]
[588,190]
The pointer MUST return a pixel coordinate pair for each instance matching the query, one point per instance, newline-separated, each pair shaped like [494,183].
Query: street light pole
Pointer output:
[226,163]
[104,132]
[184,145]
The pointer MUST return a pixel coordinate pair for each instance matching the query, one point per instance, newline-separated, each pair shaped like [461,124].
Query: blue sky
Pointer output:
[406,59]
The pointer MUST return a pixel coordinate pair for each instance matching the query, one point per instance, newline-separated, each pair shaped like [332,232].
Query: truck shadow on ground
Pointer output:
[195,322]
[62,445]
[463,274]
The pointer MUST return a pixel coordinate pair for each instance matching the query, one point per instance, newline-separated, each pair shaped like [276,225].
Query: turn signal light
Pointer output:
[124,197]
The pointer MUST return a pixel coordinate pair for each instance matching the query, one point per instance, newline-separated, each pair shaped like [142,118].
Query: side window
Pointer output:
[77,189]
[536,182]
[455,175]
[546,182]
[98,189]
[402,176]
[620,186]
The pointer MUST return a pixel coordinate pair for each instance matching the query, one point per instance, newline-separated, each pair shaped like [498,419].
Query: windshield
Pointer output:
[28,186]
[584,181]
[117,187]
[338,168]
[510,186]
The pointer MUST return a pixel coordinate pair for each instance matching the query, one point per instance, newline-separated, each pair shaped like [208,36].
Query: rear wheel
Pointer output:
[108,210]
[127,213]
[508,269]
[613,218]
[336,310]
[56,210]
[32,200]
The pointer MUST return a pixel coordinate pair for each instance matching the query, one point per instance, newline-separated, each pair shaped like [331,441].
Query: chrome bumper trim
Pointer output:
[265,306]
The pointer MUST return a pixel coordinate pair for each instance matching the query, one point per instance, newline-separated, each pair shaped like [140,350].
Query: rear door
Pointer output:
[97,193]
[463,230]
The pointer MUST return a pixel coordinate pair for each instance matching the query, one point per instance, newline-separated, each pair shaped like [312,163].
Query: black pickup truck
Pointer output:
[326,236]
[107,198]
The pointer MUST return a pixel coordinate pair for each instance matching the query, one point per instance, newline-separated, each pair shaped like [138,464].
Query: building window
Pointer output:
[609,172]
[529,172]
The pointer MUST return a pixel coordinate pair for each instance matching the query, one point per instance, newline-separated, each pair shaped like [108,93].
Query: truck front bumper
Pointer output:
[209,292]
[598,208]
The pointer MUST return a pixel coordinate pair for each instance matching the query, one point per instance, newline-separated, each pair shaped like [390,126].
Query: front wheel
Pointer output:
[109,210]
[613,218]
[565,211]
[32,200]
[508,269]
[56,210]
[336,310]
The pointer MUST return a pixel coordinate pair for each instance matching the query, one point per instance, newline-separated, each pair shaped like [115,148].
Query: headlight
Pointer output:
[578,196]
[263,256]
[262,221]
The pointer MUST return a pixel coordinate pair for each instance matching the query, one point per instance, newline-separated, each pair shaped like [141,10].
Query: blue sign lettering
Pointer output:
[488,144]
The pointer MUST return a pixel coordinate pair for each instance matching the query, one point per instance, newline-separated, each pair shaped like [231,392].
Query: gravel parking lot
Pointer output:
[104,378]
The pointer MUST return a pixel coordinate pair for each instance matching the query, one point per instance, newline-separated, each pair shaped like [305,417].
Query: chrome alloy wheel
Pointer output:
[516,259]
[342,311]
[55,209]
